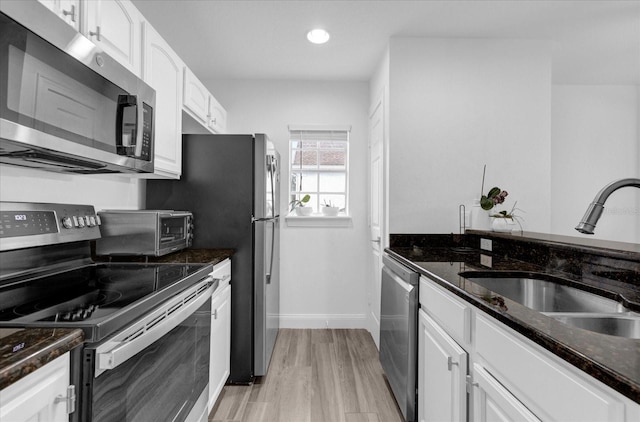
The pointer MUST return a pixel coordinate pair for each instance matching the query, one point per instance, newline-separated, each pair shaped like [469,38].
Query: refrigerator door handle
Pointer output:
[255,220]
[273,240]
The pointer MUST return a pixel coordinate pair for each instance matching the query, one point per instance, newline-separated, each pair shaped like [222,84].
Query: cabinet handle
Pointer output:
[215,314]
[71,13]
[450,363]
[97,33]
[69,399]
[470,384]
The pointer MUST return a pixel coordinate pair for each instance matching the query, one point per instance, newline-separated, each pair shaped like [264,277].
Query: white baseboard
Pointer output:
[374,328]
[323,321]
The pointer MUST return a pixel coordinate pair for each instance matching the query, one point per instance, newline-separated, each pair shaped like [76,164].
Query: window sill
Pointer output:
[318,220]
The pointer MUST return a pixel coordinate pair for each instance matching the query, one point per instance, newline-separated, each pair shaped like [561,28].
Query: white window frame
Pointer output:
[316,219]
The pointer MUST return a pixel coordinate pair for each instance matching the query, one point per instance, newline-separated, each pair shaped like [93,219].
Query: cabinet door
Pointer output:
[196,97]
[67,10]
[217,116]
[220,363]
[442,371]
[115,26]
[163,72]
[33,398]
[493,403]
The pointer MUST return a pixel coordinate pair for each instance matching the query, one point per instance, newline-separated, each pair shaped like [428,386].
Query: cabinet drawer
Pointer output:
[451,313]
[549,390]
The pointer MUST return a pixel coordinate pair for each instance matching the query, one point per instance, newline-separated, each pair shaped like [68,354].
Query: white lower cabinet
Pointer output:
[220,352]
[473,367]
[549,387]
[43,395]
[494,403]
[442,366]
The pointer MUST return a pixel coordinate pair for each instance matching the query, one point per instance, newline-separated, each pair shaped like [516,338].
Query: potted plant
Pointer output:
[501,221]
[505,221]
[300,207]
[329,209]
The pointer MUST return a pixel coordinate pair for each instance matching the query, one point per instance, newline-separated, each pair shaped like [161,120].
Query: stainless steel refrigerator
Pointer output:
[231,184]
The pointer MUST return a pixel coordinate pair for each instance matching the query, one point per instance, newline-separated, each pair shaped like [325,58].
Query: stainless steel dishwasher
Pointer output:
[399,332]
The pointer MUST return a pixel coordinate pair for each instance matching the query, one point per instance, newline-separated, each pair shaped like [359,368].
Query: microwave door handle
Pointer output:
[124,101]
[139,128]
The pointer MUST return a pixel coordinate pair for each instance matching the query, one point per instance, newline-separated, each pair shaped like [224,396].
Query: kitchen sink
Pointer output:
[614,325]
[569,305]
[542,294]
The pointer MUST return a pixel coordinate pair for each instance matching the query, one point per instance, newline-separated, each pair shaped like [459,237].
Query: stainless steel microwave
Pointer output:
[67,106]
[144,232]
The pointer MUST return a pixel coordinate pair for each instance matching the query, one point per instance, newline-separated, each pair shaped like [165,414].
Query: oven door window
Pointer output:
[163,381]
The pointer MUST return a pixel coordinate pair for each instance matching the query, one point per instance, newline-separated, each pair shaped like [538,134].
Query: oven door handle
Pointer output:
[153,326]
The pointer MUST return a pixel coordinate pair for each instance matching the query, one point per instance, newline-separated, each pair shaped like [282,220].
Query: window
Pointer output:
[319,164]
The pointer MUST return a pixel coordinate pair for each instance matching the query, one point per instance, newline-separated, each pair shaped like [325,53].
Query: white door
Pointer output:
[442,371]
[376,214]
[220,352]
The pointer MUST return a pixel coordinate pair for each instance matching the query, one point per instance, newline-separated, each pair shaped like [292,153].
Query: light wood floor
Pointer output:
[314,376]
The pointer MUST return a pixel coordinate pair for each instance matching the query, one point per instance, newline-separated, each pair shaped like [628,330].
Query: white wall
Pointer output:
[595,140]
[323,270]
[455,105]
[101,191]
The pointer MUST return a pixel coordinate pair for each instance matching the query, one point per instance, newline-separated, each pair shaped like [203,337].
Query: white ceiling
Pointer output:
[594,42]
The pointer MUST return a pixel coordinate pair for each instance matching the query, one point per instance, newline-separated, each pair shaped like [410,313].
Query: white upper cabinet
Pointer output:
[183,103]
[163,72]
[115,26]
[217,116]
[208,116]
[196,97]
[67,10]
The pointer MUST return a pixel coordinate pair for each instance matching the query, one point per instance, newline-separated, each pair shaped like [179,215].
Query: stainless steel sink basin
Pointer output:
[566,304]
[613,325]
[544,295]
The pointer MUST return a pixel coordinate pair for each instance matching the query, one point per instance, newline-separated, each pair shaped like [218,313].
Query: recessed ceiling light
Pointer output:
[318,36]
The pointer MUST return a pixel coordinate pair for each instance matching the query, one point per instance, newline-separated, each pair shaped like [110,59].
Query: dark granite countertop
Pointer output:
[614,361]
[23,351]
[186,256]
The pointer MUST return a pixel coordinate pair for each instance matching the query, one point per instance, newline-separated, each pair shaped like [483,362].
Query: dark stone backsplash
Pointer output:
[586,259]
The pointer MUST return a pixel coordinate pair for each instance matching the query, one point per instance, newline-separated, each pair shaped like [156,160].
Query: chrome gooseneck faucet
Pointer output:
[595,209]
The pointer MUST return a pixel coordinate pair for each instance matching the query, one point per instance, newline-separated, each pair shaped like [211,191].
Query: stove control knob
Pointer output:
[67,223]
[81,222]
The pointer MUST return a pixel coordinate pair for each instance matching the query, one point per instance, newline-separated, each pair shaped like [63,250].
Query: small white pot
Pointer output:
[503,225]
[303,210]
[332,211]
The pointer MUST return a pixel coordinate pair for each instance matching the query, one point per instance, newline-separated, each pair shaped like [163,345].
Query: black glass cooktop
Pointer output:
[99,298]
